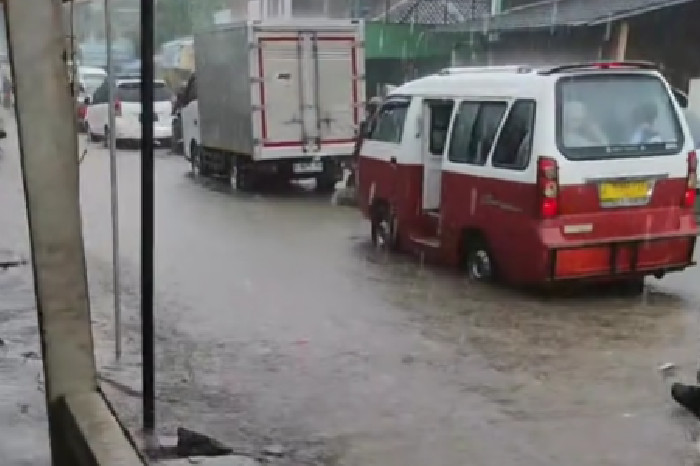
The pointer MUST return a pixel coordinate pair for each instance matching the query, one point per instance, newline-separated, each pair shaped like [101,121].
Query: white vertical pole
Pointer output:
[113,185]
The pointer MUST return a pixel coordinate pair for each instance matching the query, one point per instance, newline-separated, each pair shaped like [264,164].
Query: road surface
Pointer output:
[279,325]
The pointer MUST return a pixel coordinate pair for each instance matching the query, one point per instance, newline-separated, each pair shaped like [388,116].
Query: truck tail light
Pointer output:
[692,181]
[548,187]
[82,112]
[118,108]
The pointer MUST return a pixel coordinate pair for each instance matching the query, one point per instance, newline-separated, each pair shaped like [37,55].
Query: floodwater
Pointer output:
[281,325]
[278,324]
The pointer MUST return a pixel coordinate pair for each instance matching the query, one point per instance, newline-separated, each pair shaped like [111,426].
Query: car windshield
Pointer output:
[616,115]
[131,92]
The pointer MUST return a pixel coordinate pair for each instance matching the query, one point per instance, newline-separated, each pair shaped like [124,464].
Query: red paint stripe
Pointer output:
[283,144]
[355,92]
[300,144]
[338,141]
[279,39]
[263,116]
[337,38]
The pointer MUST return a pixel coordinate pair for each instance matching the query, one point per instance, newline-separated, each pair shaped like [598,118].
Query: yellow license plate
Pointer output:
[621,191]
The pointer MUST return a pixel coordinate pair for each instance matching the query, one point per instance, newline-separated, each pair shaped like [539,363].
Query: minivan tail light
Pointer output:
[691,182]
[548,187]
[118,108]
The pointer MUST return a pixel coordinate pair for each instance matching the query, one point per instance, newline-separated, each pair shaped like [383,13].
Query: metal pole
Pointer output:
[147,220]
[113,185]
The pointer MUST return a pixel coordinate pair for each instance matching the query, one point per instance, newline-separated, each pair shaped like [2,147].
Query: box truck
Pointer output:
[277,99]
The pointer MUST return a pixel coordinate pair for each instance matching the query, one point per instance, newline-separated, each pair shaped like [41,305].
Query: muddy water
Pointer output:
[279,324]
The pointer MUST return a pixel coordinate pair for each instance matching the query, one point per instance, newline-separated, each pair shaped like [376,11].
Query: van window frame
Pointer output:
[597,75]
[506,118]
[506,102]
[404,102]
[454,106]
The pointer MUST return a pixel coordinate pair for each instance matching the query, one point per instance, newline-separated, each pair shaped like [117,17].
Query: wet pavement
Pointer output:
[279,325]
[25,440]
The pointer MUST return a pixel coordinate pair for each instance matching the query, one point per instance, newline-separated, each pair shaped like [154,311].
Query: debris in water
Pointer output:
[408,359]
[191,443]
[687,396]
[668,369]
[274,450]
[30,355]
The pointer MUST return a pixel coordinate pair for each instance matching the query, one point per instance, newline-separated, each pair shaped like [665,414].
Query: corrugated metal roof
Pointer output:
[557,13]
[437,11]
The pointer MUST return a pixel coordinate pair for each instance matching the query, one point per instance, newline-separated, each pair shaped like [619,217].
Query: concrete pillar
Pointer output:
[618,43]
[48,144]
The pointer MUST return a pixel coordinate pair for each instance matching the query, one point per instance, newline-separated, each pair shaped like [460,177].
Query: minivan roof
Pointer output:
[520,80]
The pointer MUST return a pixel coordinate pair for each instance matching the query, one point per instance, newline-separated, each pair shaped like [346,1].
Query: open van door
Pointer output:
[436,118]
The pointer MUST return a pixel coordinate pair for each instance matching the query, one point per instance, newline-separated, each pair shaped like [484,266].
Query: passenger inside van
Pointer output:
[645,116]
[579,129]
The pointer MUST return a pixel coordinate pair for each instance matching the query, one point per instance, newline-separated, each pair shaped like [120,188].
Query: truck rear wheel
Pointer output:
[198,160]
[325,183]
[244,176]
[631,286]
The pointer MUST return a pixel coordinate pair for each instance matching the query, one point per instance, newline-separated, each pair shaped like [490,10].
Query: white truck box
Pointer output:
[280,90]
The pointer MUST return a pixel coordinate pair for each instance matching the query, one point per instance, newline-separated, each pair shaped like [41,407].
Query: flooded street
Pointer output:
[278,324]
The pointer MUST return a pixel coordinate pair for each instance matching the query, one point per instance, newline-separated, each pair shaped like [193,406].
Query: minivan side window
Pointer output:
[515,142]
[389,123]
[440,117]
[474,131]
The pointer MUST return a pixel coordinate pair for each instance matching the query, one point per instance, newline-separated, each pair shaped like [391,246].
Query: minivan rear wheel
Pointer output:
[478,260]
[632,286]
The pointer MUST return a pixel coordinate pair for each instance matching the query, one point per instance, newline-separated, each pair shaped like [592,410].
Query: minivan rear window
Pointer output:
[131,92]
[616,115]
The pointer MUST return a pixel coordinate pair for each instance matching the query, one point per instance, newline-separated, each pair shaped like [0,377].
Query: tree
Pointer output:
[172,20]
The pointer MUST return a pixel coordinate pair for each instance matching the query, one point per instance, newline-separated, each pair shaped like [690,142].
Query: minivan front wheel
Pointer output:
[384,229]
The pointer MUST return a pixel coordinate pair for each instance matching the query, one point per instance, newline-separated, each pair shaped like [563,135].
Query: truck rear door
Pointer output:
[336,80]
[281,87]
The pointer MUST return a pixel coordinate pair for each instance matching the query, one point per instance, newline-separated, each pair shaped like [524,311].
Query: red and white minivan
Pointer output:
[535,175]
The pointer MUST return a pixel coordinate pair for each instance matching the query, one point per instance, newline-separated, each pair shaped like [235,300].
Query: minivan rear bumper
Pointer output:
[621,257]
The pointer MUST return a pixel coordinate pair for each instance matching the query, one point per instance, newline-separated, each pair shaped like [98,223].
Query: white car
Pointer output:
[128,112]
[89,79]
